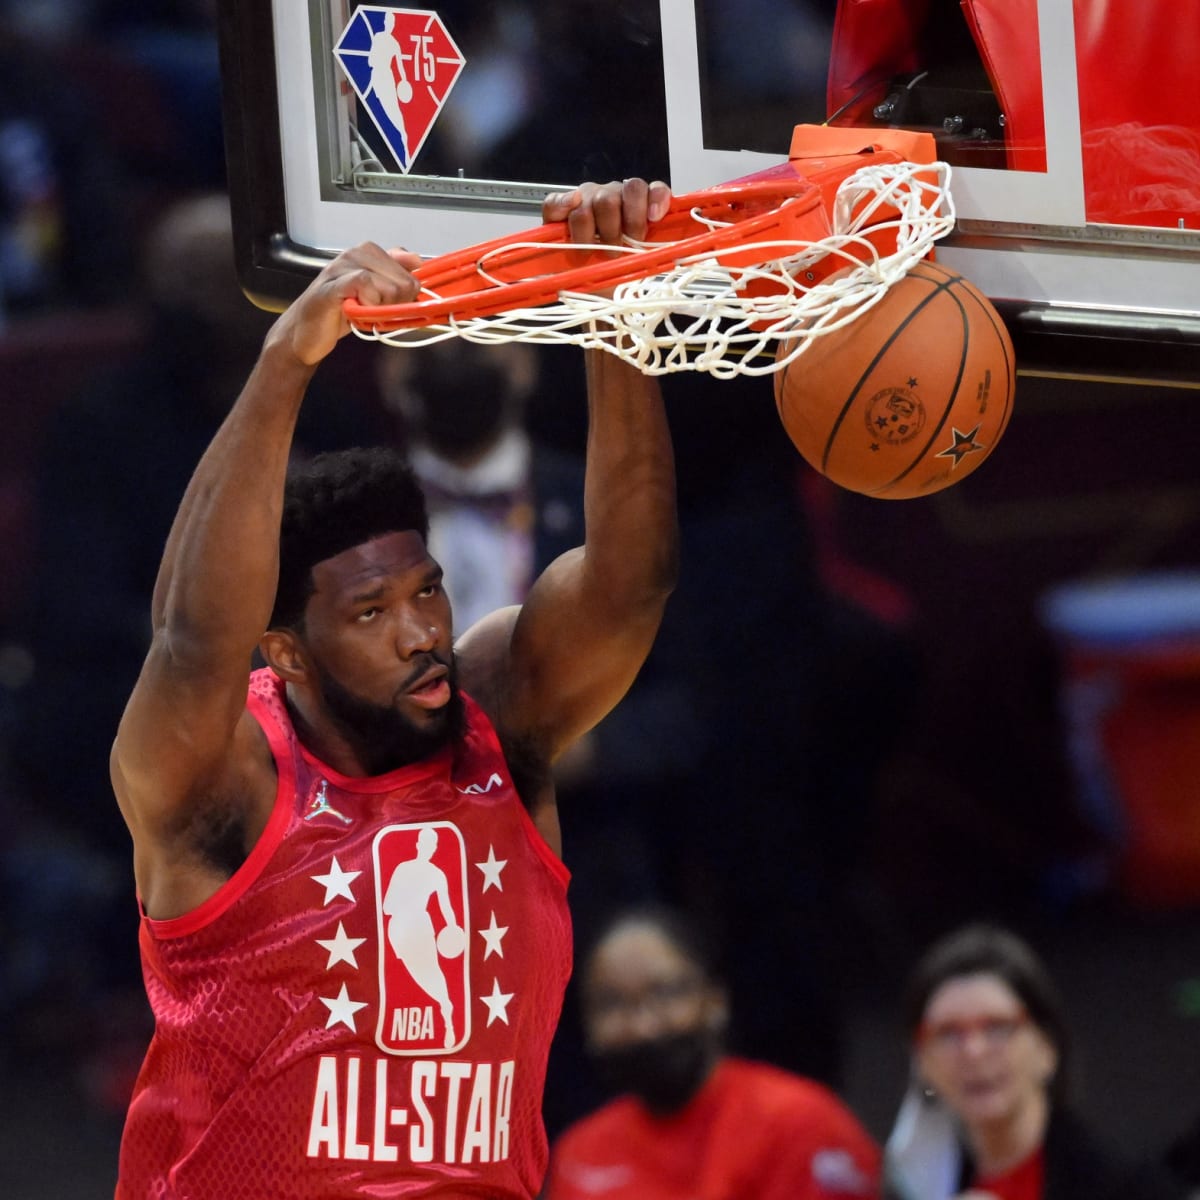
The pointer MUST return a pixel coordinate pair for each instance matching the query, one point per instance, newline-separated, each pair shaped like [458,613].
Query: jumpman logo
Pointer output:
[410,930]
[320,806]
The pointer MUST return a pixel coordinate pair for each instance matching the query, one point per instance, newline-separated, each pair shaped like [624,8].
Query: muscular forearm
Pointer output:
[548,674]
[217,581]
[632,540]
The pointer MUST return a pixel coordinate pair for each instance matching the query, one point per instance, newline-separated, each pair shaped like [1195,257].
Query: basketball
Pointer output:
[909,398]
[451,941]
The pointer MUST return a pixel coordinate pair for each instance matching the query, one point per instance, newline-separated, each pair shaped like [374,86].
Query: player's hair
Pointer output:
[984,949]
[687,935]
[332,502]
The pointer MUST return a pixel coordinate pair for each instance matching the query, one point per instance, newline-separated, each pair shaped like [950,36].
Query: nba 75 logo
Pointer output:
[424,971]
[402,64]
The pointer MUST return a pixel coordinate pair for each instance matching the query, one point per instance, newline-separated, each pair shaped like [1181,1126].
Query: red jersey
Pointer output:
[366,1007]
[753,1132]
[1023,1182]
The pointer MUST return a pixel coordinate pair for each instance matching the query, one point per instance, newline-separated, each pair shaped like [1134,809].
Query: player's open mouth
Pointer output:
[431,690]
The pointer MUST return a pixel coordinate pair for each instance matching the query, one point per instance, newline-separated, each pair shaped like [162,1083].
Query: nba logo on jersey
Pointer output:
[424,930]
[402,63]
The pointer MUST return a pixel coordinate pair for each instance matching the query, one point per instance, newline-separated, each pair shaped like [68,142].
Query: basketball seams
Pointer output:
[998,327]
[892,337]
[952,397]
[1002,336]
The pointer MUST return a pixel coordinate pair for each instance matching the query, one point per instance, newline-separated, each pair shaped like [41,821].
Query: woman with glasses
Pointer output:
[988,1116]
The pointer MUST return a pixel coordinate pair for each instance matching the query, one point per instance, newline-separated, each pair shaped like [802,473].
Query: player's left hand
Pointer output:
[606,212]
[313,323]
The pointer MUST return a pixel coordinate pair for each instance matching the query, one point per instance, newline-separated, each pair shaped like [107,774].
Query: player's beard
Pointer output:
[382,737]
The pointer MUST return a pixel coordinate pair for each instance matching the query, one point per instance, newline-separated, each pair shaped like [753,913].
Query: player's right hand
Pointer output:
[315,321]
[607,212]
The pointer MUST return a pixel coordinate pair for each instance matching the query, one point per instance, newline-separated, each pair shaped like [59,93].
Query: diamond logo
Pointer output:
[402,63]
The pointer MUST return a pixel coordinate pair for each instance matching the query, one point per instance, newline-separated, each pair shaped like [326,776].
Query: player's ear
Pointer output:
[283,652]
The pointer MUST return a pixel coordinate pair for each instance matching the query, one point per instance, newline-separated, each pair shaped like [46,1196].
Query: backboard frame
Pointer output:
[1050,273]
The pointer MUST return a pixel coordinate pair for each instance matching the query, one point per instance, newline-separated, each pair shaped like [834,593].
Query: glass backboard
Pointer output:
[1077,186]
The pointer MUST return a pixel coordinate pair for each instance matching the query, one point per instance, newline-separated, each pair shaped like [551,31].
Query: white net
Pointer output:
[702,314]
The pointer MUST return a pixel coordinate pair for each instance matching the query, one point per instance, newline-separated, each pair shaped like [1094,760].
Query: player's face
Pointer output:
[982,1054]
[640,988]
[378,631]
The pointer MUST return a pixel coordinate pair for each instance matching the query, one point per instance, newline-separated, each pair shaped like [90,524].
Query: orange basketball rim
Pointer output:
[757,219]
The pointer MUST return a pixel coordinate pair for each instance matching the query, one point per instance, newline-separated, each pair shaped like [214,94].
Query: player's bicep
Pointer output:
[573,654]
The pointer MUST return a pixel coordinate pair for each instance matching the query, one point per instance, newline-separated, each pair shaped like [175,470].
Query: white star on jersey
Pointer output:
[342,1010]
[341,948]
[491,870]
[337,882]
[497,1003]
[492,937]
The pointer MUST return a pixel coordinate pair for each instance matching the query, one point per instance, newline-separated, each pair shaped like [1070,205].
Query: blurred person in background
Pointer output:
[690,1120]
[501,506]
[989,1115]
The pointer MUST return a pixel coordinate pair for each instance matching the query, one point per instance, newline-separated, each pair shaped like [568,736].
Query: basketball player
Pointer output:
[294,1055]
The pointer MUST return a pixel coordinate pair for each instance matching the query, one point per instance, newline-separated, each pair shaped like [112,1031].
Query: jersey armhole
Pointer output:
[268,842]
[558,868]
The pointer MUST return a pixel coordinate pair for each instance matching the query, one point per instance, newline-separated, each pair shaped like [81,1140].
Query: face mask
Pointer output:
[664,1073]
[462,407]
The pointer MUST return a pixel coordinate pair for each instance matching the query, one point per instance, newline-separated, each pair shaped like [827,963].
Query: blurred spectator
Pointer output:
[689,1119]
[989,1115]
[500,506]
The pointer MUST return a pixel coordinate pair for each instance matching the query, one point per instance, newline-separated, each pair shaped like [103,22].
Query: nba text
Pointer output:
[412,1024]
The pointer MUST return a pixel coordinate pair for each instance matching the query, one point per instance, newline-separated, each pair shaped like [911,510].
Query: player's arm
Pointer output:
[551,671]
[182,734]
